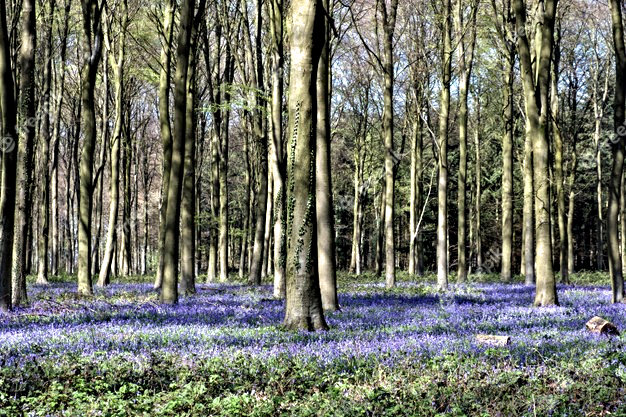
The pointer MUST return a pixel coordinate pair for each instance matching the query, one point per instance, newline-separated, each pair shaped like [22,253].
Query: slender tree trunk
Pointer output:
[245,205]
[9,163]
[44,162]
[380,231]
[260,133]
[188,208]
[466,58]
[303,307]
[389,19]
[615,260]
[325,236]
[91,43]
[558,166]
[165,127]
[442,218]
[28,125]
[105,270]
[279,159]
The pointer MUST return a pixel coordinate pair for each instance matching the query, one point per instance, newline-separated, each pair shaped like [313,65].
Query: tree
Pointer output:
[165,126]
[619,115]
[466,40]
[536,99]
[442,147]
[44,157]
[325,235]
[169,289]
[9,162]
[303,307]
[118,64]
[91,44]
[27,122]
[279,160]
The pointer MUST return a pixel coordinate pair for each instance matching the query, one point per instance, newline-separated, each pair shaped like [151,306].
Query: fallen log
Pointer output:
[493,340]
[601,326]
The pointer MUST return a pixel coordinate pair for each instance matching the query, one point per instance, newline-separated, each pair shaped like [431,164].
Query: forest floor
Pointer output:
[409,351]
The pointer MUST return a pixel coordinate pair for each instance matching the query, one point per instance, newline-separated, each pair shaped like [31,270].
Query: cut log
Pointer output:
[493,340]
[599,325]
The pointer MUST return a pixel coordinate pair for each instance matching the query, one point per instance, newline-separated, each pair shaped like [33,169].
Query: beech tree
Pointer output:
[303,308]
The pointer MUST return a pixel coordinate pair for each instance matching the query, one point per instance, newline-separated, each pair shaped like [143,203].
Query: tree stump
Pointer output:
[493,340]
[601,326]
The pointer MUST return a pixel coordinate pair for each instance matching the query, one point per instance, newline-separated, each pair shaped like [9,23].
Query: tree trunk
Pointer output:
[444,112]
[615,260]
[188,207]
[91,43]
[537,113]
[165,127]
[325,236]
[9,163]
[169,288]
[303,307]
[558,166]
[279,159]
[44,162]
[466,58]
[260,134]
[389,19]
[28,125]
[118,70]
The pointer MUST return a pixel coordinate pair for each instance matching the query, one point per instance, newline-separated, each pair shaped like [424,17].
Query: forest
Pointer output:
[312,207]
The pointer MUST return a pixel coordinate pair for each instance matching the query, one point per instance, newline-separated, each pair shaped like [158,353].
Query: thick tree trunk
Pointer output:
[303,307]
[25,147]
[444,112]
[615,260]
[9,163]
[169,288]
[537,113]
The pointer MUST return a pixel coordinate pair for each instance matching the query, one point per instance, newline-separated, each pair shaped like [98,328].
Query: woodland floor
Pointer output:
[409,351]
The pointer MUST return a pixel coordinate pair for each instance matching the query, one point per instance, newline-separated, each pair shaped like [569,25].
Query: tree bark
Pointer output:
[389,24]
[91,43]
[444,114]
[165,127]
[169,288]
[118,70]
[323,181]
[615,260]
[466,60]
[28,125]
[536,96]
[303,307]
[278,149]
[9,163]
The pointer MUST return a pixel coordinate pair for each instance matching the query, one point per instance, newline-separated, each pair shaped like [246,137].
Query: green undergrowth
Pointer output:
[492,385]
